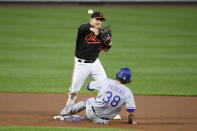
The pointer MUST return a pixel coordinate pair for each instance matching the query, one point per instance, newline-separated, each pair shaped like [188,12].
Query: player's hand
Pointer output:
[95,30]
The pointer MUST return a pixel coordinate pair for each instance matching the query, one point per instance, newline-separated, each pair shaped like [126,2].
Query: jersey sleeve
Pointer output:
[84,29]
[130,103]
[95,85]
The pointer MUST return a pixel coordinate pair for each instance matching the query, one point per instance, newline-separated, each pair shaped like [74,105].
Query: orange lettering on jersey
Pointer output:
[91,39]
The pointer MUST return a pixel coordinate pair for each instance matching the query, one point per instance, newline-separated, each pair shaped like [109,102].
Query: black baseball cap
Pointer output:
[98,15]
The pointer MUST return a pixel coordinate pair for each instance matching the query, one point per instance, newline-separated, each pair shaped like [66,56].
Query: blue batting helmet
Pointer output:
[124,74]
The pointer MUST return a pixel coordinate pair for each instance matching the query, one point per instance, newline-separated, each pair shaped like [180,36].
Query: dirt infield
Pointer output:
[154,113]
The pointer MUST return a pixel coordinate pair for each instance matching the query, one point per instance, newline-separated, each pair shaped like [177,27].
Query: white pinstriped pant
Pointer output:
[81,72]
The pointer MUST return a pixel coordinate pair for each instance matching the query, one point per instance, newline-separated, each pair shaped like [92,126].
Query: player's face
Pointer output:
[97,23]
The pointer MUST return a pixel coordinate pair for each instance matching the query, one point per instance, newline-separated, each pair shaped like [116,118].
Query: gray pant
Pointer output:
[89,112]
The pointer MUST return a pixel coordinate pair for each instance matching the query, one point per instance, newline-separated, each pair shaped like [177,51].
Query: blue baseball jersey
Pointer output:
[112,96]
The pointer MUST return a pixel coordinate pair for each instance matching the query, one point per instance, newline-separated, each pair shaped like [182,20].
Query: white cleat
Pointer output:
[117,117]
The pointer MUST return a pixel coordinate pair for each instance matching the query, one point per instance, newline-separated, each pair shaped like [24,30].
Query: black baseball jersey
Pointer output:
[88,45]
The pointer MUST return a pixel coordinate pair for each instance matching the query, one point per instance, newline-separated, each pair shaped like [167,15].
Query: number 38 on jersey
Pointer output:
[114,100]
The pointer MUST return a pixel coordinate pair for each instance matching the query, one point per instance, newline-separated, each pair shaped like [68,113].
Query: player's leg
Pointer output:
[100,121]
[90,113]
[80,73]
[66,110]
[73,108]
[98,71]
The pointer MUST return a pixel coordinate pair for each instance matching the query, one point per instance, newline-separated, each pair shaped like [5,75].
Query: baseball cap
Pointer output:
[98,15]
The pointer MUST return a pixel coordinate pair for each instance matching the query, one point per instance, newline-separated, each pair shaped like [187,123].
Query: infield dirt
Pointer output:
[154,113]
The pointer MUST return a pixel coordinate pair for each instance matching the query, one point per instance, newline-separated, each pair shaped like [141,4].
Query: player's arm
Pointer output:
[130,107]
[95,85]
[84,29]
[95,30]
[88,87]
[131,117]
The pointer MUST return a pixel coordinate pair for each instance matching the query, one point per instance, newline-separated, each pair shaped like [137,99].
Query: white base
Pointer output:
[63,117]
[59,117]
[117,117]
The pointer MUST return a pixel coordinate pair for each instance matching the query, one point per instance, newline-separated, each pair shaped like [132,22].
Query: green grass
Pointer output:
[18,128]
[159,45]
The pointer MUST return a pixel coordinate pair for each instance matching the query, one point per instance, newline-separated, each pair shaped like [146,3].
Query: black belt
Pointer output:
[86,61]
[104,118]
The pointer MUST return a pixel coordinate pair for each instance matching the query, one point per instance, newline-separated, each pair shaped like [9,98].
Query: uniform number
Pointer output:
[115,99]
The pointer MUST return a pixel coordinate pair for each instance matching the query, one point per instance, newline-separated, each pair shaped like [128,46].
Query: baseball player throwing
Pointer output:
[112,95]
[90,42]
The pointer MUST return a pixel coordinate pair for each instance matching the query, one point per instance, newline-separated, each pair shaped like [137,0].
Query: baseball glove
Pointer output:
[105,35]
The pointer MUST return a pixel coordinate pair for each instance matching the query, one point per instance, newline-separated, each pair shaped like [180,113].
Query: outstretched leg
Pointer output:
[73,108]
[79,76]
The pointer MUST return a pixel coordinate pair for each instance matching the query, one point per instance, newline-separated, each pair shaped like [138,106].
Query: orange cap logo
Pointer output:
[101,14]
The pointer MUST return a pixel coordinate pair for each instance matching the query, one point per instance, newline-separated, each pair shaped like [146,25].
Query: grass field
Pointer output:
[159,45]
